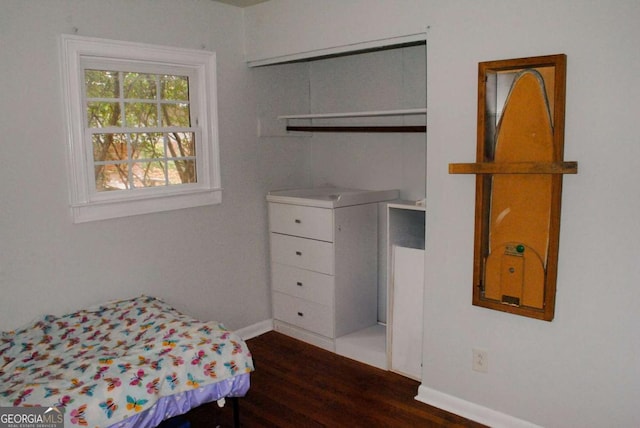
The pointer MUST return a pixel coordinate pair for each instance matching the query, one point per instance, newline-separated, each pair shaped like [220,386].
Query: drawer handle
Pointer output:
[299,284]
[298,221]
[300,314]
[298,253]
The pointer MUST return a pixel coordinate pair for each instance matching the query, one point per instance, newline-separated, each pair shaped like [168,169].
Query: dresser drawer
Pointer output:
[297,220]
[305,284]
[303,253]
[303,313]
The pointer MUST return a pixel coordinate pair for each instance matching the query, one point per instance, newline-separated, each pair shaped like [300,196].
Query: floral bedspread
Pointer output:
[107,363]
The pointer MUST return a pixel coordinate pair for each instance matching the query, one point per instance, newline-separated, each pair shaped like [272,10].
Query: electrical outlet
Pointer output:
[480,360]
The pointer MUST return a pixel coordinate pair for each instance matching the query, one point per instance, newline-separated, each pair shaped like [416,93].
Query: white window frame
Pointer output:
[89,205]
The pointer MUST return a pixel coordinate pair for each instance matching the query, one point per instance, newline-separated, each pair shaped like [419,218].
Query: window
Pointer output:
[142,126]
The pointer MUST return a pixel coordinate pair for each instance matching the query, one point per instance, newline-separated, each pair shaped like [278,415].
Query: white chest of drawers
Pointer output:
[324,269]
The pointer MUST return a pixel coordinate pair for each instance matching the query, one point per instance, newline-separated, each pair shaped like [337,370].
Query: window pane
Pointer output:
[176,115]
[140,115]
[181,144]
[140,86]
[149,174]
[147,146]
[112,177]
[174,88]
[108,147]
[102,84]
[182,172]
[103,114]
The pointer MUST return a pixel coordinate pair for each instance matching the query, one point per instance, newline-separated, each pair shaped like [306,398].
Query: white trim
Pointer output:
[87,204]
[94,211]
[469,410]
[354,47]
[255,330]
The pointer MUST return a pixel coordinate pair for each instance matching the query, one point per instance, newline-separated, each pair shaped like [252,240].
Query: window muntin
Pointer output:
[119,104]
[138,160]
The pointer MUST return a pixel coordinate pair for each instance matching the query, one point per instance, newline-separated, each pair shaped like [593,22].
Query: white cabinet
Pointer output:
[323,266]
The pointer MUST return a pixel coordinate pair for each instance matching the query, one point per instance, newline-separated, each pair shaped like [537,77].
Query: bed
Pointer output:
[126,363]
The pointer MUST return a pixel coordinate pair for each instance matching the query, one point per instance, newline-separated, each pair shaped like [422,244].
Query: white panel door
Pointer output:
[406,327]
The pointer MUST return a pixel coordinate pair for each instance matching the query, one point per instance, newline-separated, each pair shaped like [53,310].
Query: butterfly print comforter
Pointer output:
[116,360]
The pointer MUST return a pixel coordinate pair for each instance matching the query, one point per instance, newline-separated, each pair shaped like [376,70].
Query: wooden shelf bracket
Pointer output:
[514,168]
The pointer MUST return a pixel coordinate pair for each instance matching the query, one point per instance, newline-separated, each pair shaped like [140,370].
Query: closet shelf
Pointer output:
[357,128]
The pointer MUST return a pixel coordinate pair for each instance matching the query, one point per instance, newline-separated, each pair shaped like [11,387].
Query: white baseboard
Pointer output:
[304,335]
[470,410]
[255,330]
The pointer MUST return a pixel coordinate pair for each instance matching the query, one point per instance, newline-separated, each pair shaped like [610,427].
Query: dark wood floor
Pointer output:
[299,385]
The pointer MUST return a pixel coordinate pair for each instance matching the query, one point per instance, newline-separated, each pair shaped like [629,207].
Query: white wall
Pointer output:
[581,370]
[283,89]
[209,261]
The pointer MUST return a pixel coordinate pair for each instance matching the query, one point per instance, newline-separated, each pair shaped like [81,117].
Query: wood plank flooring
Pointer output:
[300,385]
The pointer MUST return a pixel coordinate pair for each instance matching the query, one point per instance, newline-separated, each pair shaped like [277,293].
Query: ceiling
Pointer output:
[241,3]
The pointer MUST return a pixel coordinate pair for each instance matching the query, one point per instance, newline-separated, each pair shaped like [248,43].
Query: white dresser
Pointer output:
[324,261]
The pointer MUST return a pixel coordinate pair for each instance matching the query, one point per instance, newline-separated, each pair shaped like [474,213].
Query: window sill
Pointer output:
[103,210]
